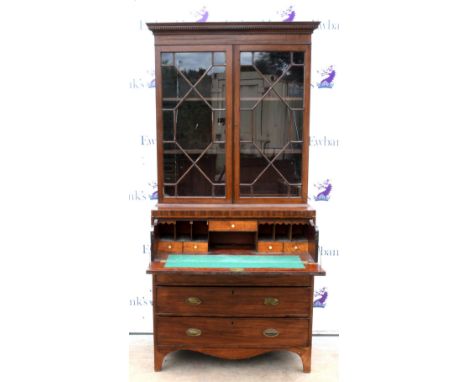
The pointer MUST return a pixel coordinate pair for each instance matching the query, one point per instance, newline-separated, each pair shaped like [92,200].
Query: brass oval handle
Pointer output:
[270,332]
[193,332]
[233,226]
[270,247]
[193,300]
[271,301]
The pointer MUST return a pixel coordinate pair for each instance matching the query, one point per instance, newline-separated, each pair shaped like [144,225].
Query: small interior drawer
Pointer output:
[296,246]
[270,246]
[195,247]
[170,246]
[233,225]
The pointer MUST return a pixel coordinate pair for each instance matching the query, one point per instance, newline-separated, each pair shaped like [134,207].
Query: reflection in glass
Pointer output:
[194,123]
[168,125]
[167,58]
[193,65]
[194,184]
[271,123]
[219,58]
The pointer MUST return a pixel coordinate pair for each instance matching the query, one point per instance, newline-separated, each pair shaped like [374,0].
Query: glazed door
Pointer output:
[194,118]
[271,123]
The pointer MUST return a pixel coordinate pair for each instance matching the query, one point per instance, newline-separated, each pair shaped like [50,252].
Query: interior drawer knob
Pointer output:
[270,247]
[169,246]
[270,332]
[193,332]
[193,301]
[295,247]
[233,226]
[195,246]
[271,301]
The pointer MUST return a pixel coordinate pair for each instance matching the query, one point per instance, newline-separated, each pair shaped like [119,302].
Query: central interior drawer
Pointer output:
[232,332]
[234,301]
[232,225]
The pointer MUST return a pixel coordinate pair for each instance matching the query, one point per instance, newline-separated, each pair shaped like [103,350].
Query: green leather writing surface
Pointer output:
[233,261]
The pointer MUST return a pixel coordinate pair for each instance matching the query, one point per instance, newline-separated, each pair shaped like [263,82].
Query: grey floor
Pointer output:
[279,366]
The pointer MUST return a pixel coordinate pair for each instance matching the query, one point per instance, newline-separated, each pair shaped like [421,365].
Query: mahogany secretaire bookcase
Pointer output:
[234,245]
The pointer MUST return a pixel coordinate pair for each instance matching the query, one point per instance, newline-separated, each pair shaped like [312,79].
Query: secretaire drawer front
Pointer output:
[232,301]
[270,246]
[169,246]
[296,246]
[233,225]
[195,247]
[232,332]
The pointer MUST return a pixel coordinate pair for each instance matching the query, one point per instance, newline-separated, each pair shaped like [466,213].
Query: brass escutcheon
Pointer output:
[271,301]
[237,269]
[193,300]
[270,332]
[193,332]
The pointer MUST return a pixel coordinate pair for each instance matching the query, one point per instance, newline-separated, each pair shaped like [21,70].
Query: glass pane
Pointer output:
[194,184]
[296,124]
[289,163]
[246,125]
[193,123]
[167,58]
[272,64]
[219,190]
[212,87]
[252,163]
[168,125]
[246,58]
[291,86]
[219,125]
[174,86]
[298,57]
[213,163]
[296,190]
[271,123]
[219,58]
[169,190]
[271,126]
[245,190]
[194,117]
[176,163]
[270,184]
[193,65]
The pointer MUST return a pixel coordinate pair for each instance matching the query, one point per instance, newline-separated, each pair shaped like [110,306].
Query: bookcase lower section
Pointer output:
[232,321]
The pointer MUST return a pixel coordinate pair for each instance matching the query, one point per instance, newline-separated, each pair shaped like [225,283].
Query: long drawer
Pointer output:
[232,332]
[232,301]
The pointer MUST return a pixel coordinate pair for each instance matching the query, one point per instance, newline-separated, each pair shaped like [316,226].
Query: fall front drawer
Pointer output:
[234,301]
[232,332]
